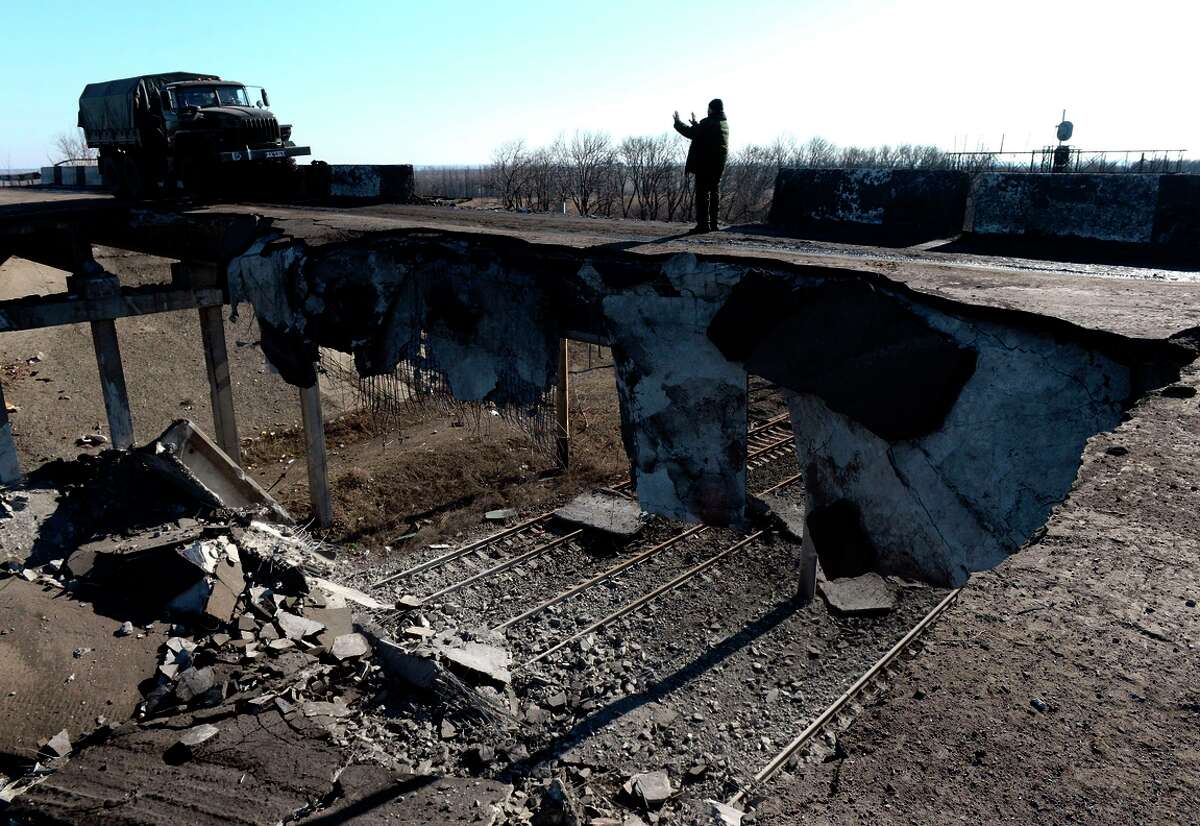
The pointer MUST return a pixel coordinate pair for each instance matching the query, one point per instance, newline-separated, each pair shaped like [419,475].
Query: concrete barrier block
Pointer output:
[1115,208]
[391,183]
[904,202]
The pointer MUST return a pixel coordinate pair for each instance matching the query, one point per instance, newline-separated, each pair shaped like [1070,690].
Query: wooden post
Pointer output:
[93,283]
[112,383]
[562,399]
[314,437]
[220,390]
[10,465]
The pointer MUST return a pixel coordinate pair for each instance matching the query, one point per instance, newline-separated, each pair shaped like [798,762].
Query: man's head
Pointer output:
[716,107]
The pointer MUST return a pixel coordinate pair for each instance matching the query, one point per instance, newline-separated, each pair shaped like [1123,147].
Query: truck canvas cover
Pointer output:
[106,110]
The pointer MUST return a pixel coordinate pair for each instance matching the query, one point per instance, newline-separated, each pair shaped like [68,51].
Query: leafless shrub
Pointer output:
[71,146]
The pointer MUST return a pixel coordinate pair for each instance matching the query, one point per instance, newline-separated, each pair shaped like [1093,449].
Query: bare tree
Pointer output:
[71,146]
[586,157]
[508,172]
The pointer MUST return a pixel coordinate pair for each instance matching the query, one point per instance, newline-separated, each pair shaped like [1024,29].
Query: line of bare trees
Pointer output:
[589,173]
[643,177]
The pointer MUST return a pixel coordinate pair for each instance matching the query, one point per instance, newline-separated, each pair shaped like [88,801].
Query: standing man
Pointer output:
[706,160]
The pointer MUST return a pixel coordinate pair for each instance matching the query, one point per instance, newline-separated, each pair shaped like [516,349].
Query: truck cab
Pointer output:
[180,131]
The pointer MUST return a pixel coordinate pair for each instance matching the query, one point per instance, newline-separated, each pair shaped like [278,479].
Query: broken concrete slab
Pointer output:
[476,661]
[866,594]
[57,746]
[350,647]
[197,735]
[653,789]
[415,669]
[295,627]
[605,512]
[374,796]
[260,769]
[185,450]
[334,591]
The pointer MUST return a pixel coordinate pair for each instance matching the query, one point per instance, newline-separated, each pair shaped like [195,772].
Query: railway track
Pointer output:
[502,574]
[767,441]
[834,710]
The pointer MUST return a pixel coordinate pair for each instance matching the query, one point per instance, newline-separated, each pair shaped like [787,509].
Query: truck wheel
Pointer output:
[131,185]
[110,173]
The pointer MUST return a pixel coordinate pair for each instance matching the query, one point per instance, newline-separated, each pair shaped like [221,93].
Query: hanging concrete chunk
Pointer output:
[605,512]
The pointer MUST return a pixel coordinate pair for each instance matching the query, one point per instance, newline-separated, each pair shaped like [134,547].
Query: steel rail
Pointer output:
[600,577]
[780,760]
[503,566]
[458,553]
[671,585]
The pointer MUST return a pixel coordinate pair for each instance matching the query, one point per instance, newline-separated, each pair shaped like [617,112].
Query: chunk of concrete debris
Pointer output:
[652,788]
[501,515]
[187,455]
[711,813]
[295,627]
[91,440]
[558,807]
[866,594]
[350,647]
[414,669]
[217,594]
[194,683]
[477,661]
[57,746]
[196,735]
[124,629]
[332,589]
[603,511]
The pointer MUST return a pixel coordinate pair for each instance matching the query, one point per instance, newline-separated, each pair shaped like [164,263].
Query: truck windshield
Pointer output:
[205,96]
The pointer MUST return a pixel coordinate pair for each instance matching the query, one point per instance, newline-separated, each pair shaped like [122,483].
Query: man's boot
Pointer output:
[701,212]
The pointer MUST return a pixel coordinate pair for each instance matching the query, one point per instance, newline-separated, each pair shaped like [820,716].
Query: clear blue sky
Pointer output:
[445,82]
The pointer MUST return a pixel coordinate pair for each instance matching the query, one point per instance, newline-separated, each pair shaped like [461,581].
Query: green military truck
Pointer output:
[165,134]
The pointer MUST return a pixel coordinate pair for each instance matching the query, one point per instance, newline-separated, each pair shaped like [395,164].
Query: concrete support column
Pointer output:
[314,440]
[10,466]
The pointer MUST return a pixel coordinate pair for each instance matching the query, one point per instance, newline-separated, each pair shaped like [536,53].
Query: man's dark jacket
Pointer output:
[710,145]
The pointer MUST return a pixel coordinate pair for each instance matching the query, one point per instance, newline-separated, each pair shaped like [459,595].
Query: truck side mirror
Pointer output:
[266,101]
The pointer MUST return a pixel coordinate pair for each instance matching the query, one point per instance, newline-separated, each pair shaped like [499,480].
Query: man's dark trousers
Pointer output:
[708,200]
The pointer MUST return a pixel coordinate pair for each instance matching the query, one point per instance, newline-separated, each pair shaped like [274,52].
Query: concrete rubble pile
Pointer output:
[213,652]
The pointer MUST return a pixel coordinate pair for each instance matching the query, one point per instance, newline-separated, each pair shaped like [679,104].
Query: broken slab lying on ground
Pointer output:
[935,436]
